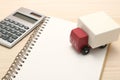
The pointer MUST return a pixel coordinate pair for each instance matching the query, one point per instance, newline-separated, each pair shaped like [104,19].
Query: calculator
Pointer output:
[17,25]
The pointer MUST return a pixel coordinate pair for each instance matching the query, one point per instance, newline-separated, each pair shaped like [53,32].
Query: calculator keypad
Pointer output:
[10,30]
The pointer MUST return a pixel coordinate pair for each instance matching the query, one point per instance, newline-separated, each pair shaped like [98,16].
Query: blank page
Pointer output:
[53,58]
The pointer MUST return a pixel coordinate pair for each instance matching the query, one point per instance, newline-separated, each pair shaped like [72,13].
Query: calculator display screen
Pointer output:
[25,17]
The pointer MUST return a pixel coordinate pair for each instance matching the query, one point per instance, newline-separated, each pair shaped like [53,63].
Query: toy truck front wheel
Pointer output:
[85,50]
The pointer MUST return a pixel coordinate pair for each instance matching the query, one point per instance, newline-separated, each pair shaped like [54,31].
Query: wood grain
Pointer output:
[69,10]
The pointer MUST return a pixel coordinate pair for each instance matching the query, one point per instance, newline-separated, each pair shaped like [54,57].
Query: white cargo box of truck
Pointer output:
[100,28]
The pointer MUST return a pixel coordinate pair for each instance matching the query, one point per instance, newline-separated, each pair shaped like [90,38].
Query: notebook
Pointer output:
[48,55]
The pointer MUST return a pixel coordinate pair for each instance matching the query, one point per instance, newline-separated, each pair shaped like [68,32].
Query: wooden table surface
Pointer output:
[69,10]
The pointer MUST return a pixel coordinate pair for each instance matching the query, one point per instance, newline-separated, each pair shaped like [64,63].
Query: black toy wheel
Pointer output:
[85,50]
[103,46]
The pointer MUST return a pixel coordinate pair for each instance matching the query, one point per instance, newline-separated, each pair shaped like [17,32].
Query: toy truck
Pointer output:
[93,31]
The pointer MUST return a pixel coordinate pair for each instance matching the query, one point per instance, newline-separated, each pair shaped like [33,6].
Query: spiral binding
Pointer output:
[24,53]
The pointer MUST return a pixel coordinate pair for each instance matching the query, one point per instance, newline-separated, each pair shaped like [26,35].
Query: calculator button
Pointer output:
[25,27]
[18,34]
[12,31]
[4,27]
[8,29]
[3,32]
[12,26]
[22,31]
[6,24]
[20,25]
[4,37]
[2,22]
[10,40]
[15,23]
[1,26]
[7,19]
[9,34]
[0,30]
[9,25]
[14,37]
[16,28]
[11,21]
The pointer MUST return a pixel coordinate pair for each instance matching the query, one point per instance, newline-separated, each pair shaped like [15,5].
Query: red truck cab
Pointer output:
[79,40]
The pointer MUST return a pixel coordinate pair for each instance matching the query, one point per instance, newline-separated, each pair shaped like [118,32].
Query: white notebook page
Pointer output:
[53,58]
